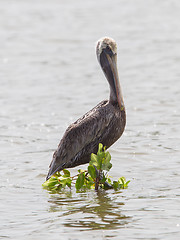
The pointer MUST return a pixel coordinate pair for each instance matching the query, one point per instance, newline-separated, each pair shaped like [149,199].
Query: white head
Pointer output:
[104,43]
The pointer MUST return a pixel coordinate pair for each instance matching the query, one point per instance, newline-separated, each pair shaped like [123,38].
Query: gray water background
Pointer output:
[49,76]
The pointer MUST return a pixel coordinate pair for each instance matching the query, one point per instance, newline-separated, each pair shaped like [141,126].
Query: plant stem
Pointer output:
[98,178]
[97,183]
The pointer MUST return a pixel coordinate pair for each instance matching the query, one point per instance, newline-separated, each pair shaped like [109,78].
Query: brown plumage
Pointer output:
[104,124]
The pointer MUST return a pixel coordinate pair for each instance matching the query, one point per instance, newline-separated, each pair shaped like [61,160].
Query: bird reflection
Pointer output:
[98,211]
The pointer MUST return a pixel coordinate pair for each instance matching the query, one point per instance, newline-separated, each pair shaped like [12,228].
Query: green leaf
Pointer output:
[108,180]
[106,165]
[57,174]
[88,182]
[123,183]
[94,160]
[103,178]
[100,160]
[127,183]
[108,156]
[100,149]
[63,183]
[66,173]
[66,182]
[52,184]
[116,185]
[80,181]
[92,171]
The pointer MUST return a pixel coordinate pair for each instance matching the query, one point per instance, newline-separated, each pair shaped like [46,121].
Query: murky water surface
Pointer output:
[49,76]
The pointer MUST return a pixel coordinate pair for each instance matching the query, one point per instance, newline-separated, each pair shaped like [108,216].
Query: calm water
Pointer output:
[49,76]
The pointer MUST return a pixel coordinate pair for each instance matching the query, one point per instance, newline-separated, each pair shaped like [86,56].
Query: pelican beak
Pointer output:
[108,62]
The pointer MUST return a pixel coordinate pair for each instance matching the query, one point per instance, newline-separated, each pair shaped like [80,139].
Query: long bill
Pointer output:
[109,66]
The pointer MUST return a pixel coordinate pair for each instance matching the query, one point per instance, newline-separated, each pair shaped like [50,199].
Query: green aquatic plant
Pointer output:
[95,177]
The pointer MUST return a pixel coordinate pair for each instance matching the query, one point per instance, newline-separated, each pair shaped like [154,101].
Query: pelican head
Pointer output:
[106,51]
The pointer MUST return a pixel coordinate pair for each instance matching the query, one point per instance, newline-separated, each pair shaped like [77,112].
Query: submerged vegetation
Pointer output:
[95,177]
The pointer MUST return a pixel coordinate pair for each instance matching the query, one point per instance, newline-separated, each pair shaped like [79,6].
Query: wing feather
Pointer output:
[78,135]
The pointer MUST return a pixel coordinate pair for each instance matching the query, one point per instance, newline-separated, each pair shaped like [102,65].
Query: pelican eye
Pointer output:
[108,51]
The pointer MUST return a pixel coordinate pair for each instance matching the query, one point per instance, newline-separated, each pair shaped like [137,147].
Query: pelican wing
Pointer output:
[78,135]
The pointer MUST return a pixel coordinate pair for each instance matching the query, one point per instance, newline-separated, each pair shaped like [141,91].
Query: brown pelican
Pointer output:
[104,124]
